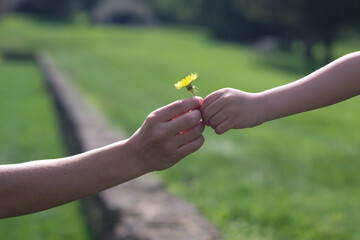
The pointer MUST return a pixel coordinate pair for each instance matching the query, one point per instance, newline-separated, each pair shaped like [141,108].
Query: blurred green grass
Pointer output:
[293,178]
[29,131]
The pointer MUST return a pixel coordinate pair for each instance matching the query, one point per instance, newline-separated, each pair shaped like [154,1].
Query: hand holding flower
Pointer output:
[168,135]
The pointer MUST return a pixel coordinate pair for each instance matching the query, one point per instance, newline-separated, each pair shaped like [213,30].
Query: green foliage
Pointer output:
[294,178]
[248,20]
[311,21]
[59,9]
[56,9]
[29,131]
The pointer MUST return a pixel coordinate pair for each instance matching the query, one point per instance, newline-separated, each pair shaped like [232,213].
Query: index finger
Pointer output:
[212,97]
[177,108]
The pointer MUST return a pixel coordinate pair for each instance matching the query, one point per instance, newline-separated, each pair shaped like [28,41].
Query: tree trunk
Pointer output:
[309,56]
[286,44]
[309,36]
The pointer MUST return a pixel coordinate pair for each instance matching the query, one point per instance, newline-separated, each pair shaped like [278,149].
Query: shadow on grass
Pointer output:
[290,63]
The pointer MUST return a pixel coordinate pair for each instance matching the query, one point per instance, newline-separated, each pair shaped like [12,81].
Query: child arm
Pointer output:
[229,108]
[331,84]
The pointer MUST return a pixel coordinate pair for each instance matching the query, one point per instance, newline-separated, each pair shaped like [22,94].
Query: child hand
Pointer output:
[229,108]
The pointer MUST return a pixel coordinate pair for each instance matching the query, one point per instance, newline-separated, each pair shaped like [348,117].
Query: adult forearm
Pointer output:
[157,145]
[39,185]
[333,83]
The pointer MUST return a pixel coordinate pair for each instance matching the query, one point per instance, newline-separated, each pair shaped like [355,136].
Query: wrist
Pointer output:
[131,151]
[265,107]
[129,158]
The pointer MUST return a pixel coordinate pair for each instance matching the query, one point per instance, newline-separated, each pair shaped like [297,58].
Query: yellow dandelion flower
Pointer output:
[186,82]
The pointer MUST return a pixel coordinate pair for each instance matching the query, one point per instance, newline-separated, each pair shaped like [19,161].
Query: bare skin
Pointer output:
[158,144]
[230,108]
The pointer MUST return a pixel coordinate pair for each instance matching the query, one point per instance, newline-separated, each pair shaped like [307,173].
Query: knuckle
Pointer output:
[152,117]
[226,90]
[228,97]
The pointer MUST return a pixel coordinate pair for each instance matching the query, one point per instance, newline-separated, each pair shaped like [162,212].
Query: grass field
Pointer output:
[294,178]
[29,131]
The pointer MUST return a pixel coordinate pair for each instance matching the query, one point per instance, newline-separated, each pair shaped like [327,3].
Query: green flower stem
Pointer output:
[191,89]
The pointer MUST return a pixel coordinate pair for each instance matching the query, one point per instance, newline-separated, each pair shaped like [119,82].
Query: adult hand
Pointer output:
[168,135]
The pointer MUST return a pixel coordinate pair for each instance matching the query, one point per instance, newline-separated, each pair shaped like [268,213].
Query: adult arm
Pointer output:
[158,144]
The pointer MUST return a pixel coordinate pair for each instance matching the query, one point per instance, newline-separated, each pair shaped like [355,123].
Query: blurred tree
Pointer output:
[312,21]
[178,11]
[89,4]
[229,22]
[58,9]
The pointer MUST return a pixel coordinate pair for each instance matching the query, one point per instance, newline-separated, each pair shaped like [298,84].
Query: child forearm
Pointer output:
[333,83]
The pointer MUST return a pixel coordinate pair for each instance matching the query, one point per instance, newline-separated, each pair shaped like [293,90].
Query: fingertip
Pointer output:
[206,120]
[199,102]
[198,142]
[202,127]
[199,99]
[218,131]
[201,141]
[195,102]
[191,147]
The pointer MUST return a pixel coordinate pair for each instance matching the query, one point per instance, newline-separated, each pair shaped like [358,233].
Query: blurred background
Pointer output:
[293,178]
